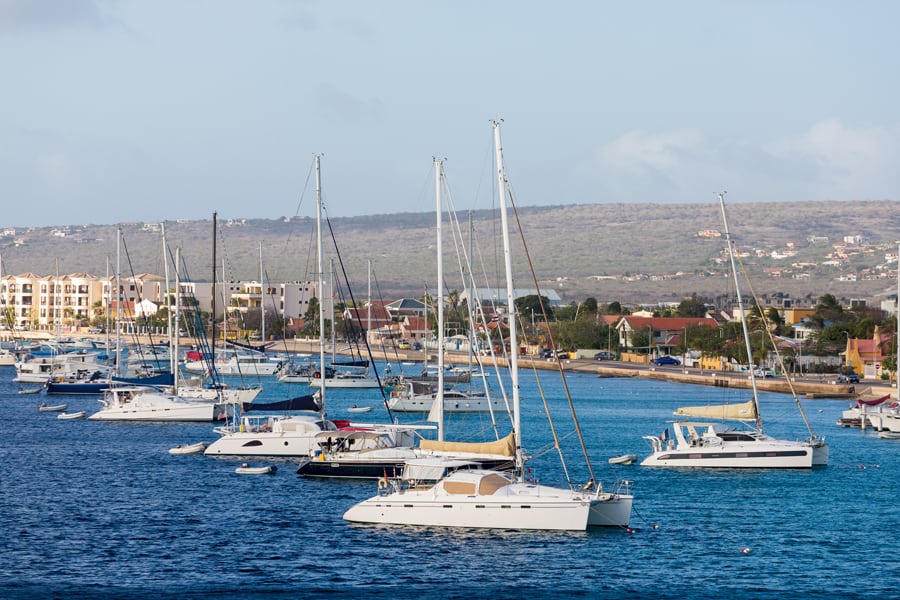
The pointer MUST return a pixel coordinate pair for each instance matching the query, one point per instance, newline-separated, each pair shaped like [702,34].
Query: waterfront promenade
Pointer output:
[809,386]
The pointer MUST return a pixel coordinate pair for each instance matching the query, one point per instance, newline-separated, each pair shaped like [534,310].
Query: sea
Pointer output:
[102,510]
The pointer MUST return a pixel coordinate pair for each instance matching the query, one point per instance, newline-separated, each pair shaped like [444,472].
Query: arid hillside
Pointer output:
[630,253]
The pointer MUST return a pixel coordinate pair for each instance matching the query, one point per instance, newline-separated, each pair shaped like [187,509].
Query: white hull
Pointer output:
[143,404]
[72,416]
[228,395]
[270,470]
[516,505]
[423,404]
[345,382]
[197,448]
[732,449]
[269,436]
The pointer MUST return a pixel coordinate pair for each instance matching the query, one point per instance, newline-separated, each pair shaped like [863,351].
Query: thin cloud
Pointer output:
[855,160]
[50,14]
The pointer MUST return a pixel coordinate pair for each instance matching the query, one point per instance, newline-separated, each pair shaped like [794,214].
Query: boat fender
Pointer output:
[382,483]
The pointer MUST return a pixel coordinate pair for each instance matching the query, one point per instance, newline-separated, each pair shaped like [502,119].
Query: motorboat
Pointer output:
[52,408]
[359,409]
[623,459]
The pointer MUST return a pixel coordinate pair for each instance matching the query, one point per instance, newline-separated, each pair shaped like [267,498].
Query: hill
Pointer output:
[630,253]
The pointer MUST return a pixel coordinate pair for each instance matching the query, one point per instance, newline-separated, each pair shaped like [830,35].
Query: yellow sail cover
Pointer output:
[745,410]
[502,447]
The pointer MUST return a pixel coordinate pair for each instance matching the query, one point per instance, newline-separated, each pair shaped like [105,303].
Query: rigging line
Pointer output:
[383,310]
[134,314]
[778,357]
[337,250]
[562,373]
[459,248]
[556,437]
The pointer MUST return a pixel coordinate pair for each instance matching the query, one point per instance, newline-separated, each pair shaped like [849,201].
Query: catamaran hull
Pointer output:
[261,444]
[207,413]
[798,457]
[563,515]
[451,405]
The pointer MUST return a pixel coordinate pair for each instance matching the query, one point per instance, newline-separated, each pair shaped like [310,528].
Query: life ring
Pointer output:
[382,483]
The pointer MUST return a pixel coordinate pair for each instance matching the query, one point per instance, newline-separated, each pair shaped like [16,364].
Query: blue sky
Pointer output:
[149,110]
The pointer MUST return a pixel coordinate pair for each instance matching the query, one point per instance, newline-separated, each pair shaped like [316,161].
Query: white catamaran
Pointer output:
[705,441]
[488,498]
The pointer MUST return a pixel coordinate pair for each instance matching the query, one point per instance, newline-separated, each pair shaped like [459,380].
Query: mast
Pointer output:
[510,300]
[321,283]
[118,299]
[213,350]
[438,404]
[262,297]
[737,290]
[176,338]
[173,361]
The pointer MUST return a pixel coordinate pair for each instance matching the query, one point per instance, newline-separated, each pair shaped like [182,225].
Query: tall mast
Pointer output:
[262,297]
[321,285]
[740,300]
[510,300]
[438,406]
[213,344]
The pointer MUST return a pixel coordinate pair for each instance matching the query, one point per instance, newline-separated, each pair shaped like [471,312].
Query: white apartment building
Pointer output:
[30,301]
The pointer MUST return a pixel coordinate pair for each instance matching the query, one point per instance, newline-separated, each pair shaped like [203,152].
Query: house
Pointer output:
[405,307]
[865,356]
[665,333]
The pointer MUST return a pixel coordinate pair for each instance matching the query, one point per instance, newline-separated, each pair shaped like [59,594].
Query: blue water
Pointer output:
[96,510]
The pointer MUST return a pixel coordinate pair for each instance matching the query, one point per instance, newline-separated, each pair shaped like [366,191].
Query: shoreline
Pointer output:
[810,389]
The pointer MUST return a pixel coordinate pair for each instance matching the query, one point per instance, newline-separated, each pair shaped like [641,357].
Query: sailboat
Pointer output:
[341,455]
[300,435]
[709,443]
[487,498]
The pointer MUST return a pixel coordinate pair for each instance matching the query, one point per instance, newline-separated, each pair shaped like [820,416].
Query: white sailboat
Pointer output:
[710,443]
[486,498]
[300,435]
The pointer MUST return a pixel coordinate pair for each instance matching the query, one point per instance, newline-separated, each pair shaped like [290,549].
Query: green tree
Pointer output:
[526,304]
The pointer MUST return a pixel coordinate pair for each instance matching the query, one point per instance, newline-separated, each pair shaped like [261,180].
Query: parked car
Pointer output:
[404,345]
[605,355]
[665,360]
[851,378]
[546,353]
[763,372]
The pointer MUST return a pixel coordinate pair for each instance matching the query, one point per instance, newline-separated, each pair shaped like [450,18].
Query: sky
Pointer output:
[151,110]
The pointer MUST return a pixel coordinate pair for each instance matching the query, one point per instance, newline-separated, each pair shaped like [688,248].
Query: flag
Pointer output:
[664,435]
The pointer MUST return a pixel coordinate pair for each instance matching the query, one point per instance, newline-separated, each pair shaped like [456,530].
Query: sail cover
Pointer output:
[503,447]
[742,411]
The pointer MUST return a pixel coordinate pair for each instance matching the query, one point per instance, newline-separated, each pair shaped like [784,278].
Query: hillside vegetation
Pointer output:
[631,253]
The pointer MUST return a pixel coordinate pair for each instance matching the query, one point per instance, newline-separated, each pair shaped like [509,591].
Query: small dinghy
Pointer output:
[34,390]
[188,448]
[72,416]
[623,459]
[359,409]
[57,408]
[889,435]
[246,469]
